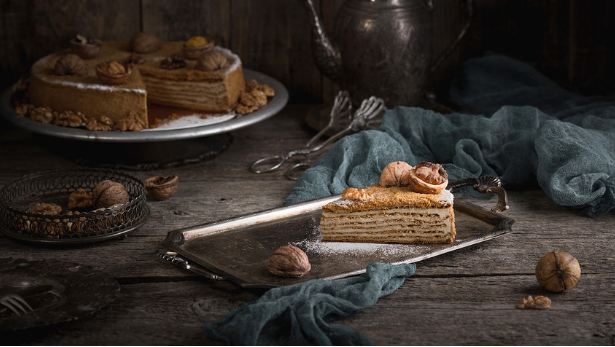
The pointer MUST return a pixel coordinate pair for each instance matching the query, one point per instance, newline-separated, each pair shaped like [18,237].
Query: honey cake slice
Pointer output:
[389,215]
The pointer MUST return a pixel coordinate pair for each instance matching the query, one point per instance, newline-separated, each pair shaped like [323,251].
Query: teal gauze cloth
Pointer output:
[297,314]
[560,141]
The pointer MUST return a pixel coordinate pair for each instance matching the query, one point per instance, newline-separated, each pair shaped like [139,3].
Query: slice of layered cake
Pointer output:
[410,205]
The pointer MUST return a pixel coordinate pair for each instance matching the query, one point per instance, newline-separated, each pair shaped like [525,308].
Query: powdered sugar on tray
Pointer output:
[313,245]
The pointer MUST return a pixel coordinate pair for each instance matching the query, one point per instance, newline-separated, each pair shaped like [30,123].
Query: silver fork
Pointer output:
[16,304]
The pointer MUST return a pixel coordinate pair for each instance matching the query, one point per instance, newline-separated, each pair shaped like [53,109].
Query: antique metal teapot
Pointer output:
[382,48]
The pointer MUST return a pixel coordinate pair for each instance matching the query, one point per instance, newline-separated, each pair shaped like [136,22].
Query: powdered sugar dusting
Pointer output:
[313,244]
[356,248]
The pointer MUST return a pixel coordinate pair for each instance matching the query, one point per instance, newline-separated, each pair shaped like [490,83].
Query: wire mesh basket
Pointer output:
[69,226]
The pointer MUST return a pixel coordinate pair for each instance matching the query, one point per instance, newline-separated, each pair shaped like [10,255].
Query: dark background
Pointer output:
[571,41]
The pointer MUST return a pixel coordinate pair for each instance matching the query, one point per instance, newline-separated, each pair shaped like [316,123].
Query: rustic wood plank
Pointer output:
[55,23]
[180,20]
[14,40]
[271,36]
[474,310]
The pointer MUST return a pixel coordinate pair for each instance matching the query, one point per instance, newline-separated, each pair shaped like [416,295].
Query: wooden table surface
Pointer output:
[466,297]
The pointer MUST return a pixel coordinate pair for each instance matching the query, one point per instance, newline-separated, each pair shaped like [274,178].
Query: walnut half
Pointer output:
[427,178]
[537,302]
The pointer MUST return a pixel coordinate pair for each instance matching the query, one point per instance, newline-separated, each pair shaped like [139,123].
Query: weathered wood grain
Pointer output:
[455,310]
[180,20]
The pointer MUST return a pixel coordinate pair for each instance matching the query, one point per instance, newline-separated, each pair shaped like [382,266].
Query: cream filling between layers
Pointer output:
[180,92]
[394,224]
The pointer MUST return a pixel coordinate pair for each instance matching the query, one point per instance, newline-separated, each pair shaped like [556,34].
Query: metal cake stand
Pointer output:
[145,150]
[273,107]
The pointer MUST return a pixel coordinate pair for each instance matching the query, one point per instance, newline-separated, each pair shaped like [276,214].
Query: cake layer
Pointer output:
[210,96]
[396,225]
[211,91]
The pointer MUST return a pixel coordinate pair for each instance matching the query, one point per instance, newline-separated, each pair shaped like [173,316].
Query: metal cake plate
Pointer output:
[275,105]
[237,249]
[57,292]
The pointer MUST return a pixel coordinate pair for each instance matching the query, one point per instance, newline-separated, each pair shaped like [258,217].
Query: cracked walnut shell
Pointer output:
[558,271]
[160,187]
[289,261]
[113,72]
[427,178]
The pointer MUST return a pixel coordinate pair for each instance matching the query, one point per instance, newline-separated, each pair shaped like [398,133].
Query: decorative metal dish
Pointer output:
[49,292]
[237,249]
[274,106]
[69,227]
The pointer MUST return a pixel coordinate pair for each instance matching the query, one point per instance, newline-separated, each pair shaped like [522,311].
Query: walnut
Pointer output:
[251,101]
[113,72]
[108,193]
[395,174]
[243,109]
[537,302]
[355,194]
[288,261]
[427,178]
[69,64]
[254,85]
[145,43]
[69,119]
[195,47]
[130,123]
[80,199]
[196,42]
[101,124]
[45,208]
[23,109]
[161,188]
[173,62]
[558,271]
[85,47]
[42,114]
[212,61]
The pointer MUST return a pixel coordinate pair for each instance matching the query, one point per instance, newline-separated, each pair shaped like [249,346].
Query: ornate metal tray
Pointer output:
[56,291]
[237,249]
[273,107]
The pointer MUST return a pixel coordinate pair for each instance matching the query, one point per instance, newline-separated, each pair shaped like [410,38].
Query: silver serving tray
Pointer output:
[274,106]
[237,249]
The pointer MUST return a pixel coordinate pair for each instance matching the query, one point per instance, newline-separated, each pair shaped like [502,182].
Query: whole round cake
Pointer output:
[109,85]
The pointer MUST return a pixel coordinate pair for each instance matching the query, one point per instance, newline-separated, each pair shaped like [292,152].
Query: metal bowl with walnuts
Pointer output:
[72,206]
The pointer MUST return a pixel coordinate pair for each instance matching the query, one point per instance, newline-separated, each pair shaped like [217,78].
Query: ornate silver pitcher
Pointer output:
[382,48]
